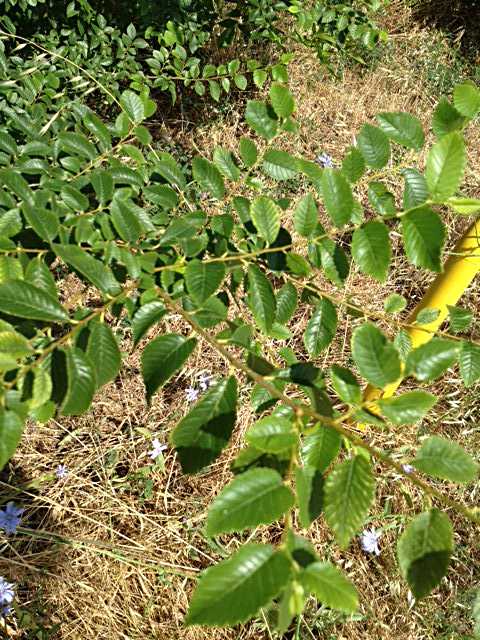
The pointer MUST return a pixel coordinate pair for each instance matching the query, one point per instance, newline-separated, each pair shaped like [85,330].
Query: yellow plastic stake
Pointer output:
[448,287]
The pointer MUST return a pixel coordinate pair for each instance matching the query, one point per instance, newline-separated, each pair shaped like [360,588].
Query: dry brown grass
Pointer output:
[104,561]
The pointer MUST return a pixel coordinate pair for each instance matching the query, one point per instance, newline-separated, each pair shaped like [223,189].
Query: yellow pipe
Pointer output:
[447,289]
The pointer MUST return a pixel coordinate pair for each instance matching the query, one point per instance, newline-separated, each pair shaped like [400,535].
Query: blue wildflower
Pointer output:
[6,594]
[407,468]
[158,447]
[204,381]
[192,394]
[10,518]
[324,160]
[369,541]
[61,472]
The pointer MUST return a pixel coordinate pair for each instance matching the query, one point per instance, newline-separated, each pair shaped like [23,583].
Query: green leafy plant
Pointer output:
[150,237]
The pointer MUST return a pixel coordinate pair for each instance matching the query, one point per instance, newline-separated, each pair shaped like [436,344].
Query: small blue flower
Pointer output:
[61,471]
[158,447]
[369,541]
[6,593]
[204,381]
[324,160]
[5,610]
[407,468]
[191,394]
[10,518]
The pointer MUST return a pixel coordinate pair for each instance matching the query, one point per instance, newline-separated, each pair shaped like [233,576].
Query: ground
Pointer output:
[113,550]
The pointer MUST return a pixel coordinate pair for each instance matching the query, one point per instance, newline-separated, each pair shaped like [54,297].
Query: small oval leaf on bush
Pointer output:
[424,551]
[234,590]
[349,492]
[163,357]
[255,497]
[445,459]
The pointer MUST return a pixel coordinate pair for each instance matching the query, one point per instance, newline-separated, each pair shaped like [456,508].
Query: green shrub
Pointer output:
[152,237]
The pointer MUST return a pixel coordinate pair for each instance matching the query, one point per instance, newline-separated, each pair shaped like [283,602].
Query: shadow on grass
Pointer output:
[458,19]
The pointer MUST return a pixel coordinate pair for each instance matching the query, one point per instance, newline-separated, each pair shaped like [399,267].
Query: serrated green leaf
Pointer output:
[255,497]
[14,344]
[77,144]
[259,77]
[96,126]
[225,163]
[460,318]
[272,435]
[208,177]
[162,358]
[11,428]
[80,383]
[248,151]
[104,353]
[10,269]
[21,299]
[94,270]
[376,358]
[145,317]
[41,388]
[381,199]
[403,343]
[446,119]
[321,327]
[371,249]
[73,198]
[430,360]
[286,303]
[330,586]
[416,189]
[205,431]
[305,217]
[395,303]
[235,589]
[466,99]
[469,360]
[407,408]
[279,165]
[320,448]
[282,100]
[337,196]
[464,206]
[261,299]
[445,459]
[125,220]
[260,119]
[102,183]
[403,129]
[291,605]
[374,146]
[43,221]
[423,235]
[38,274]
[445,166]
[426,316]
[353,165]
[266,217]
[349,492]
[309,489]
[7,143]
[334,262]
[424,551]
[203,279]
[345,384]
[171,171]
[133,106]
